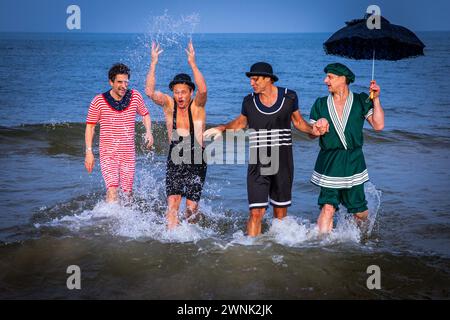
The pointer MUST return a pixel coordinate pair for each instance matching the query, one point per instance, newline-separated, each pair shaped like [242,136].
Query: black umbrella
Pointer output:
[390,42]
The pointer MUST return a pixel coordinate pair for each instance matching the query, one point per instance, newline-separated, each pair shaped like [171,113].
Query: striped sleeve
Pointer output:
[93,115]
[141,108]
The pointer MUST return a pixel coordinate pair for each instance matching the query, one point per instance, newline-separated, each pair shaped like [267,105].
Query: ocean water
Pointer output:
[52,213]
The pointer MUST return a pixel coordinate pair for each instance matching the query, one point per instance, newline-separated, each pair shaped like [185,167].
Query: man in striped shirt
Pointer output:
[116,111]
[268,112]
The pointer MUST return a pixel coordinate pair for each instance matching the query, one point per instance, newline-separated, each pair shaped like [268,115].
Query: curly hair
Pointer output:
[118,68]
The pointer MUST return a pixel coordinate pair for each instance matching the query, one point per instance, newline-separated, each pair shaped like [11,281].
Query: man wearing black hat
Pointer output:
[268,112]
[185,121]
[340,169]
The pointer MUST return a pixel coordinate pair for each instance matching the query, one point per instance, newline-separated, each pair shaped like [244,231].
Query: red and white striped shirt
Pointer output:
[116,127]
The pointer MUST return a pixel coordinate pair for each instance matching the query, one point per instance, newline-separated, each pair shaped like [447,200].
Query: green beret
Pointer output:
[340,70]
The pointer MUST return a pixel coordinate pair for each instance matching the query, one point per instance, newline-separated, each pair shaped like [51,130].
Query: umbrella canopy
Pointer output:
[390,42]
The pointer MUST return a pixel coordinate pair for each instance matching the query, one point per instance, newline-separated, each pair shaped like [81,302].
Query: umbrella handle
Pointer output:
[370,97]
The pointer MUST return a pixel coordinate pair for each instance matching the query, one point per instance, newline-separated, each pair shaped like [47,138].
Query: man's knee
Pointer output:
[362,215]
[279,212]
[112,194]
[191,206]
[328,209]
[257,213]
[173,202]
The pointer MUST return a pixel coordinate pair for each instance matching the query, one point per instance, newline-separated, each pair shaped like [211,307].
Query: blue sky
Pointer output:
[219,15]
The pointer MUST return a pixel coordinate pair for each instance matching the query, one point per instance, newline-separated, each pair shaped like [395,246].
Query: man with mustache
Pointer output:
[340,170]
[268,112]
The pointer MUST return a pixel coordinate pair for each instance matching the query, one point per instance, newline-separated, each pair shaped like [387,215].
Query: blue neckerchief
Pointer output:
[118,105]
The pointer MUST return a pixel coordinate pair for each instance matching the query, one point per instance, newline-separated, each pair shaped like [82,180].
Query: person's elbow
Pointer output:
[202,90]
[149,93]
[154,96]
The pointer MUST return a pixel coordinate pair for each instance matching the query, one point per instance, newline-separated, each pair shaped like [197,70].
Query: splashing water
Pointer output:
[170,31]
[294,231]
[373,197]
[129,222]
[144,218]
[173,34]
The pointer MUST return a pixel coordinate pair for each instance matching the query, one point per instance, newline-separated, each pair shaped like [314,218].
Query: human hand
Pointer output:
[213,132]
[155,52]
[320,127]
[89,161]
[374,89]
[148,140]
[190,53]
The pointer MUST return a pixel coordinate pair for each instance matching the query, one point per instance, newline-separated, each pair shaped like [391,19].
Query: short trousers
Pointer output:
[118,170]
[274,189]
[354,198]
[186,180]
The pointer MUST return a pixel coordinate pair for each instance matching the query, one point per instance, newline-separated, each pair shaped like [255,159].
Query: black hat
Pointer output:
[182,78]
[262,69]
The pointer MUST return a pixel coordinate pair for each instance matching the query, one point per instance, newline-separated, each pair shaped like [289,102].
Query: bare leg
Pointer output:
[325,220]
[279,213]
[254,222]
[361,218]
[173,205]
[111,195]
[192,214]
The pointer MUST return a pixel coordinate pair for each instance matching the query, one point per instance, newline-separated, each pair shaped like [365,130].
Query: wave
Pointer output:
[144,219]
[68,138]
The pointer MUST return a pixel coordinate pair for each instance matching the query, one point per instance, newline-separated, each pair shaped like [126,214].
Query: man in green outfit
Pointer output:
[340,168]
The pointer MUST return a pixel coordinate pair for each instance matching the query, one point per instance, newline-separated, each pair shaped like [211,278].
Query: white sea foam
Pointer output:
[294,231]
[130,222]
[140,221]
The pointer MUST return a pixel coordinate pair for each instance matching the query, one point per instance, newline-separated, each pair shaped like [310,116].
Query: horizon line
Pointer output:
[142,32]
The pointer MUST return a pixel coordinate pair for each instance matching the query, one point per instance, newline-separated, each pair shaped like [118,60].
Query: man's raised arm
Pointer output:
[202,92]
[157,97]
[376,119]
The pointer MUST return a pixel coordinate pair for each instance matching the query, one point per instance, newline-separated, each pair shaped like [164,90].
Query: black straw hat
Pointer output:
[262,69]
[182,78]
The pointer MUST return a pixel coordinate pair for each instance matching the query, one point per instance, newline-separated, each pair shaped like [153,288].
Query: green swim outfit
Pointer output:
[340,168]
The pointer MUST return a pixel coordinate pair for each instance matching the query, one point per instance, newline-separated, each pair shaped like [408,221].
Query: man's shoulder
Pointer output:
[248,98]
[292,94]
[98,98]
[136,94]
[361,95]
[322,100]
[321,103]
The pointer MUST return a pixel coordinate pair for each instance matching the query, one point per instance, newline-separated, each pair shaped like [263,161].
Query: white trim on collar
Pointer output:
[269,113]
[338,124]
